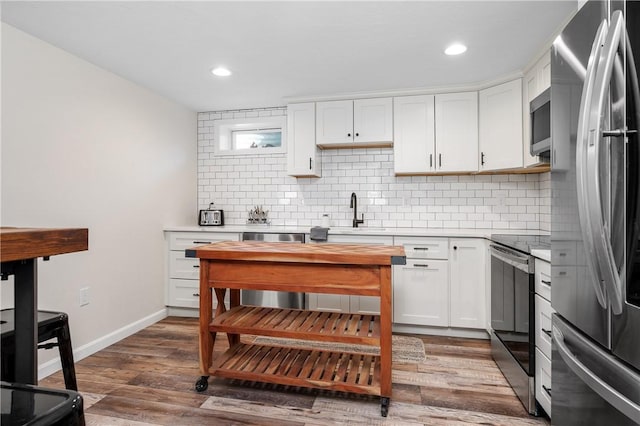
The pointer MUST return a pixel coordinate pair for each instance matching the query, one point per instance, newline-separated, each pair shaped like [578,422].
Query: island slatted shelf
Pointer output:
[319,268]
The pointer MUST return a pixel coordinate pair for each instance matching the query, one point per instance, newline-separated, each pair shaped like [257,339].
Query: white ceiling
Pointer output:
[287,49]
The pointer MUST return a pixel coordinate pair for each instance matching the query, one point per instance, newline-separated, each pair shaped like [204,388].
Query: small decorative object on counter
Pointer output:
[258,215]
[326,221]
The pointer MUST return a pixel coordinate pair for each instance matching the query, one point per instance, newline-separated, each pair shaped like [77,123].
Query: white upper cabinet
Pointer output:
[457,132]
[501,144]
[350,123]
[536,81]
[413,134]
[434,134]
[303,158]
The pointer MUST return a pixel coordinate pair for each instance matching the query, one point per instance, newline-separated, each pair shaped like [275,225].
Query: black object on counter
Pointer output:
[319,233]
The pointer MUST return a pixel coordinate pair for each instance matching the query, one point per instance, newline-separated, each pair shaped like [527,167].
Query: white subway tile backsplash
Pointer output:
[238,183]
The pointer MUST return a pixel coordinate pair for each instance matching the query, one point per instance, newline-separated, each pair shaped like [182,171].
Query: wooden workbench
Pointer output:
[363,270]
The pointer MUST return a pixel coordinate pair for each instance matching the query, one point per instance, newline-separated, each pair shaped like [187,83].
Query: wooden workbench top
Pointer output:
[30,243]
[350,254]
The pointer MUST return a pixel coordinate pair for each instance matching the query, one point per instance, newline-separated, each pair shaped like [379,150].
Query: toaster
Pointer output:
[211,217]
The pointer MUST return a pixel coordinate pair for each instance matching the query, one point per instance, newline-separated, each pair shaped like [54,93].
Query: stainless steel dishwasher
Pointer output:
[273,299]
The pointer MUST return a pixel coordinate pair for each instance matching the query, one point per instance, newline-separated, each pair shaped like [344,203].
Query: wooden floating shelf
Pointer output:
[339,371]
[300,324]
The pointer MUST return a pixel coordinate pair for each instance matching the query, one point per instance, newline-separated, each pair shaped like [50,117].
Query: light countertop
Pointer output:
[409,232]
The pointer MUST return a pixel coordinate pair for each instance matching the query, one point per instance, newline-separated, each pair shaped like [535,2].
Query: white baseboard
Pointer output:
[441,331]
[50,367]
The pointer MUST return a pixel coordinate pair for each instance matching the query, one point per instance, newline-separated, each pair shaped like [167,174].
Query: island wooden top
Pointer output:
[30,243]
[345,254]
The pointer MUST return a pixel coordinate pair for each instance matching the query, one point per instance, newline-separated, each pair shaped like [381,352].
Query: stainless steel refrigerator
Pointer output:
[595,222]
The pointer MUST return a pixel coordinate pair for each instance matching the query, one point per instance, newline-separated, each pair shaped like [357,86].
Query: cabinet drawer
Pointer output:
[424,248]
[184,293]
[183,267]
[184,240]
[543,278]
[543,381]
[564,253]
[543,325]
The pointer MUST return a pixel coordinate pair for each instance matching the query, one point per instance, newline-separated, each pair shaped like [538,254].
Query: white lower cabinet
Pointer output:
[543,313]
[467,282]
[183,284]
[421,293]
[442,284]
[346,303]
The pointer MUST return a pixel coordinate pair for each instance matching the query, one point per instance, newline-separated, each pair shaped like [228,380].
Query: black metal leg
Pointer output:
[26,321]
[66,356]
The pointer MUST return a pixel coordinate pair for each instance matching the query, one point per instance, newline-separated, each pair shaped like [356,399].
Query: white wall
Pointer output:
[237,183]
[82,147]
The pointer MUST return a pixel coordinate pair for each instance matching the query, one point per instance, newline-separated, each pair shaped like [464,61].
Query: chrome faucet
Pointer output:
[354,206]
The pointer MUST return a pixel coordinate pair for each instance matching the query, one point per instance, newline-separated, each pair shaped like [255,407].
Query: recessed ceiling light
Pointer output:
[221,72]
[455,49]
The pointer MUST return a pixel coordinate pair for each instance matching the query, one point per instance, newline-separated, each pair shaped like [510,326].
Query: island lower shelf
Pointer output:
[339,371]
[300,324]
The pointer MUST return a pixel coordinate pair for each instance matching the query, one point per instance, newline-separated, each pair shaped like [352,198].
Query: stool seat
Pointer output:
[51,325]
[33,405]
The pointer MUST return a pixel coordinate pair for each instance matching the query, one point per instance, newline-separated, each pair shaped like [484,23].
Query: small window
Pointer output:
[265,135]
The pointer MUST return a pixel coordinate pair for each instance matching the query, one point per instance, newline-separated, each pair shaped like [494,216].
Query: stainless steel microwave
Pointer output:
[540,119]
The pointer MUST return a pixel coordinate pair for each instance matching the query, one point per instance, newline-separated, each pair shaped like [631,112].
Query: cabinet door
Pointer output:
[413,134]
[501,126]
[421,293]
[328,302]
[467,282]
[364,305]
[457,132]
[373,120]
[334,122]
[302,152]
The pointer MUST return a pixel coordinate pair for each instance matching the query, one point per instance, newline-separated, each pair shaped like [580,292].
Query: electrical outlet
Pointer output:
[84,296]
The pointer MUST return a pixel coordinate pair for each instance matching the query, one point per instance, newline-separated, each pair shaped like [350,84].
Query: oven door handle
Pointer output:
[511,257]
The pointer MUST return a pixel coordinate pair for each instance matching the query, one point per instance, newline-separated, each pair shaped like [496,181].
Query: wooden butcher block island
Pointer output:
[363,270]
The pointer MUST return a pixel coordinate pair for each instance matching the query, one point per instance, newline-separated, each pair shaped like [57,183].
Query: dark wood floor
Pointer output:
[148,379]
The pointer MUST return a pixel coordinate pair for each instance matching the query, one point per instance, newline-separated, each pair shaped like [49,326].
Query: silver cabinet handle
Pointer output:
[547,390]
[421,265]
[196,266]
[546,282]
[202,242]
[430,160]
[547,332]
[196,294]
[582,169]
[421,248]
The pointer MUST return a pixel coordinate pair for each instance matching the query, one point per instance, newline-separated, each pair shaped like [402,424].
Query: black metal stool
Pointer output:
[33,405]
[51,325]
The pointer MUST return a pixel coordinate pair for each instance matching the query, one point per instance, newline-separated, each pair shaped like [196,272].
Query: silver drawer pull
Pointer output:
[421,248]
[547,332]
[196,294]
[547,390]
[196,266]
[546,282]
[421,265]
[202,242]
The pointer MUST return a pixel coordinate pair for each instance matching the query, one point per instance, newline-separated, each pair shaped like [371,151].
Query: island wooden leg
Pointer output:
[206,339]
[385,338]
[234,300]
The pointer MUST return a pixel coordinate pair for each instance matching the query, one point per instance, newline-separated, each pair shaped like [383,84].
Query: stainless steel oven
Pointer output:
[512,319]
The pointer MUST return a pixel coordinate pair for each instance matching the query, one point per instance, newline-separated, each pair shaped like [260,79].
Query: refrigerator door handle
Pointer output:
[582,169]
[598,385]
[604,252]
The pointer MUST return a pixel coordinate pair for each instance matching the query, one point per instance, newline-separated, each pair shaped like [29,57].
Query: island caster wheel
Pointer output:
[202,384]
[384,406]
